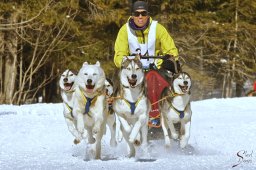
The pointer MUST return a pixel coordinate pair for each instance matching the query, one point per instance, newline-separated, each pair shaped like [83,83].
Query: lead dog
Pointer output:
[67,86]
[176,109]
[90,105]
[132,105]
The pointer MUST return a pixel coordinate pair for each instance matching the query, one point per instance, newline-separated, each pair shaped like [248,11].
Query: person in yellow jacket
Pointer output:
[142,32]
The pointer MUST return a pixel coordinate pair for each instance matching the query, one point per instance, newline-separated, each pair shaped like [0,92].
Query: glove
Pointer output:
[169,65]
[168,56]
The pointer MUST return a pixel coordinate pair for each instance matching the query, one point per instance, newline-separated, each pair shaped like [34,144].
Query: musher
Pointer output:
[152,38]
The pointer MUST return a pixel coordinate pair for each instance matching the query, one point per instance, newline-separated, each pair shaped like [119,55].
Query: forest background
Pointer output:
[216,40]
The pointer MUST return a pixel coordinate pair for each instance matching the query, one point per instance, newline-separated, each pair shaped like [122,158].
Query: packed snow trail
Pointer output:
[36,137]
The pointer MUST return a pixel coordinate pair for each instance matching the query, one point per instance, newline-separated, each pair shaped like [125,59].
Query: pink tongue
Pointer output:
[67,87]
[89,90]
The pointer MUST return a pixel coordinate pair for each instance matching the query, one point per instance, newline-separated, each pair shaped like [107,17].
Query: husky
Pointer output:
[176,109]
[111,117]
[90,105]
[132,105]
[67,86]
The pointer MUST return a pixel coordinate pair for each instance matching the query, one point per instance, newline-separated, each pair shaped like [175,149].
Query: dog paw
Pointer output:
[137,142]
[167,142]
[113,143]
[183,143]
[91,140]
[175,135]
[76,141]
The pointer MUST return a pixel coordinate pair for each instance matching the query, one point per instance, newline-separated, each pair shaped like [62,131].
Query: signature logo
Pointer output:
[244,157]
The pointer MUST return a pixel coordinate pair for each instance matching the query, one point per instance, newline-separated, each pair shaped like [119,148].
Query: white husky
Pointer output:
[90,106]
[176,109]
[67,86]
[132,106]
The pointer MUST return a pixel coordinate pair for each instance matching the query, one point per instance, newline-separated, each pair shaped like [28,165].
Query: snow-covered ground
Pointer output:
[223,134]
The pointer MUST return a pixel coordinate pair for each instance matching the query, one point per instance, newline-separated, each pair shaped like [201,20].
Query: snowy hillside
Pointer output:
[223,134]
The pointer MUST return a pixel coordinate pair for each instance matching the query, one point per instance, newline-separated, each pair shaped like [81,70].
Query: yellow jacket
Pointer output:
[164,43]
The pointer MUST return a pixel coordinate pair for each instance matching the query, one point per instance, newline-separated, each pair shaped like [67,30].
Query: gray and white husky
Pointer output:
[176,109]
[111,116]
[132,105]
[67,86]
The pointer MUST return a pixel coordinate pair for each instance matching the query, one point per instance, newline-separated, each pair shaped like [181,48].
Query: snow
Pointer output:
[222,135]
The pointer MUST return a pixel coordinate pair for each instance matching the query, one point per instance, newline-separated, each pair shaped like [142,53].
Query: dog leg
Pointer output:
[97,126]
[165,130]
[91,139]
[118,130]
[144,138]
[130,145]
[97,145]
[80,123]
[135,130]
[112,127]
[73,131]
[174,134]
[125,124]
[185,137]
[137,141]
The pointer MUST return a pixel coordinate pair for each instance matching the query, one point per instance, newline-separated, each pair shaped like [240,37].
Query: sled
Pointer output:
[155,86]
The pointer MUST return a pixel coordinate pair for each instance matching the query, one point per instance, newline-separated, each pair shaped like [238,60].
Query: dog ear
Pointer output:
[85,63]
[74,71]
[123,62]
[97,64]
[124,59]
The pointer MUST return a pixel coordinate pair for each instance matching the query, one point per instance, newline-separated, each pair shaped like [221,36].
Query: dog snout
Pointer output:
[185,83]
[134,76]
[65,79]
[89,81]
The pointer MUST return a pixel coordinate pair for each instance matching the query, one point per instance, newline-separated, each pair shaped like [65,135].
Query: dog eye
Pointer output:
[94,74]
[128,68]
[71,74]
[137,68]
[85,74]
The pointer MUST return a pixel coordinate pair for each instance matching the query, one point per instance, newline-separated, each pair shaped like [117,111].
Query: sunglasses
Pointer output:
[137,13]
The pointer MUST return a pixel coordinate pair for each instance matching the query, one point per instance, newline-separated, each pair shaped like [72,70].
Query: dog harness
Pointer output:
[88,102]
[146,49]
[70,109]
[132,104]
[180,113]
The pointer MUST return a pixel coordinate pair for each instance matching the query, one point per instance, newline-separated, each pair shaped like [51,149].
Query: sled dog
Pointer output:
[176,109]
[111,117]
[90,105]
[132,105]
[67,86]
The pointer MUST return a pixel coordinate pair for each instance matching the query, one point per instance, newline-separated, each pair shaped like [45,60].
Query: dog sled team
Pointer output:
[147,96]
[91,105]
